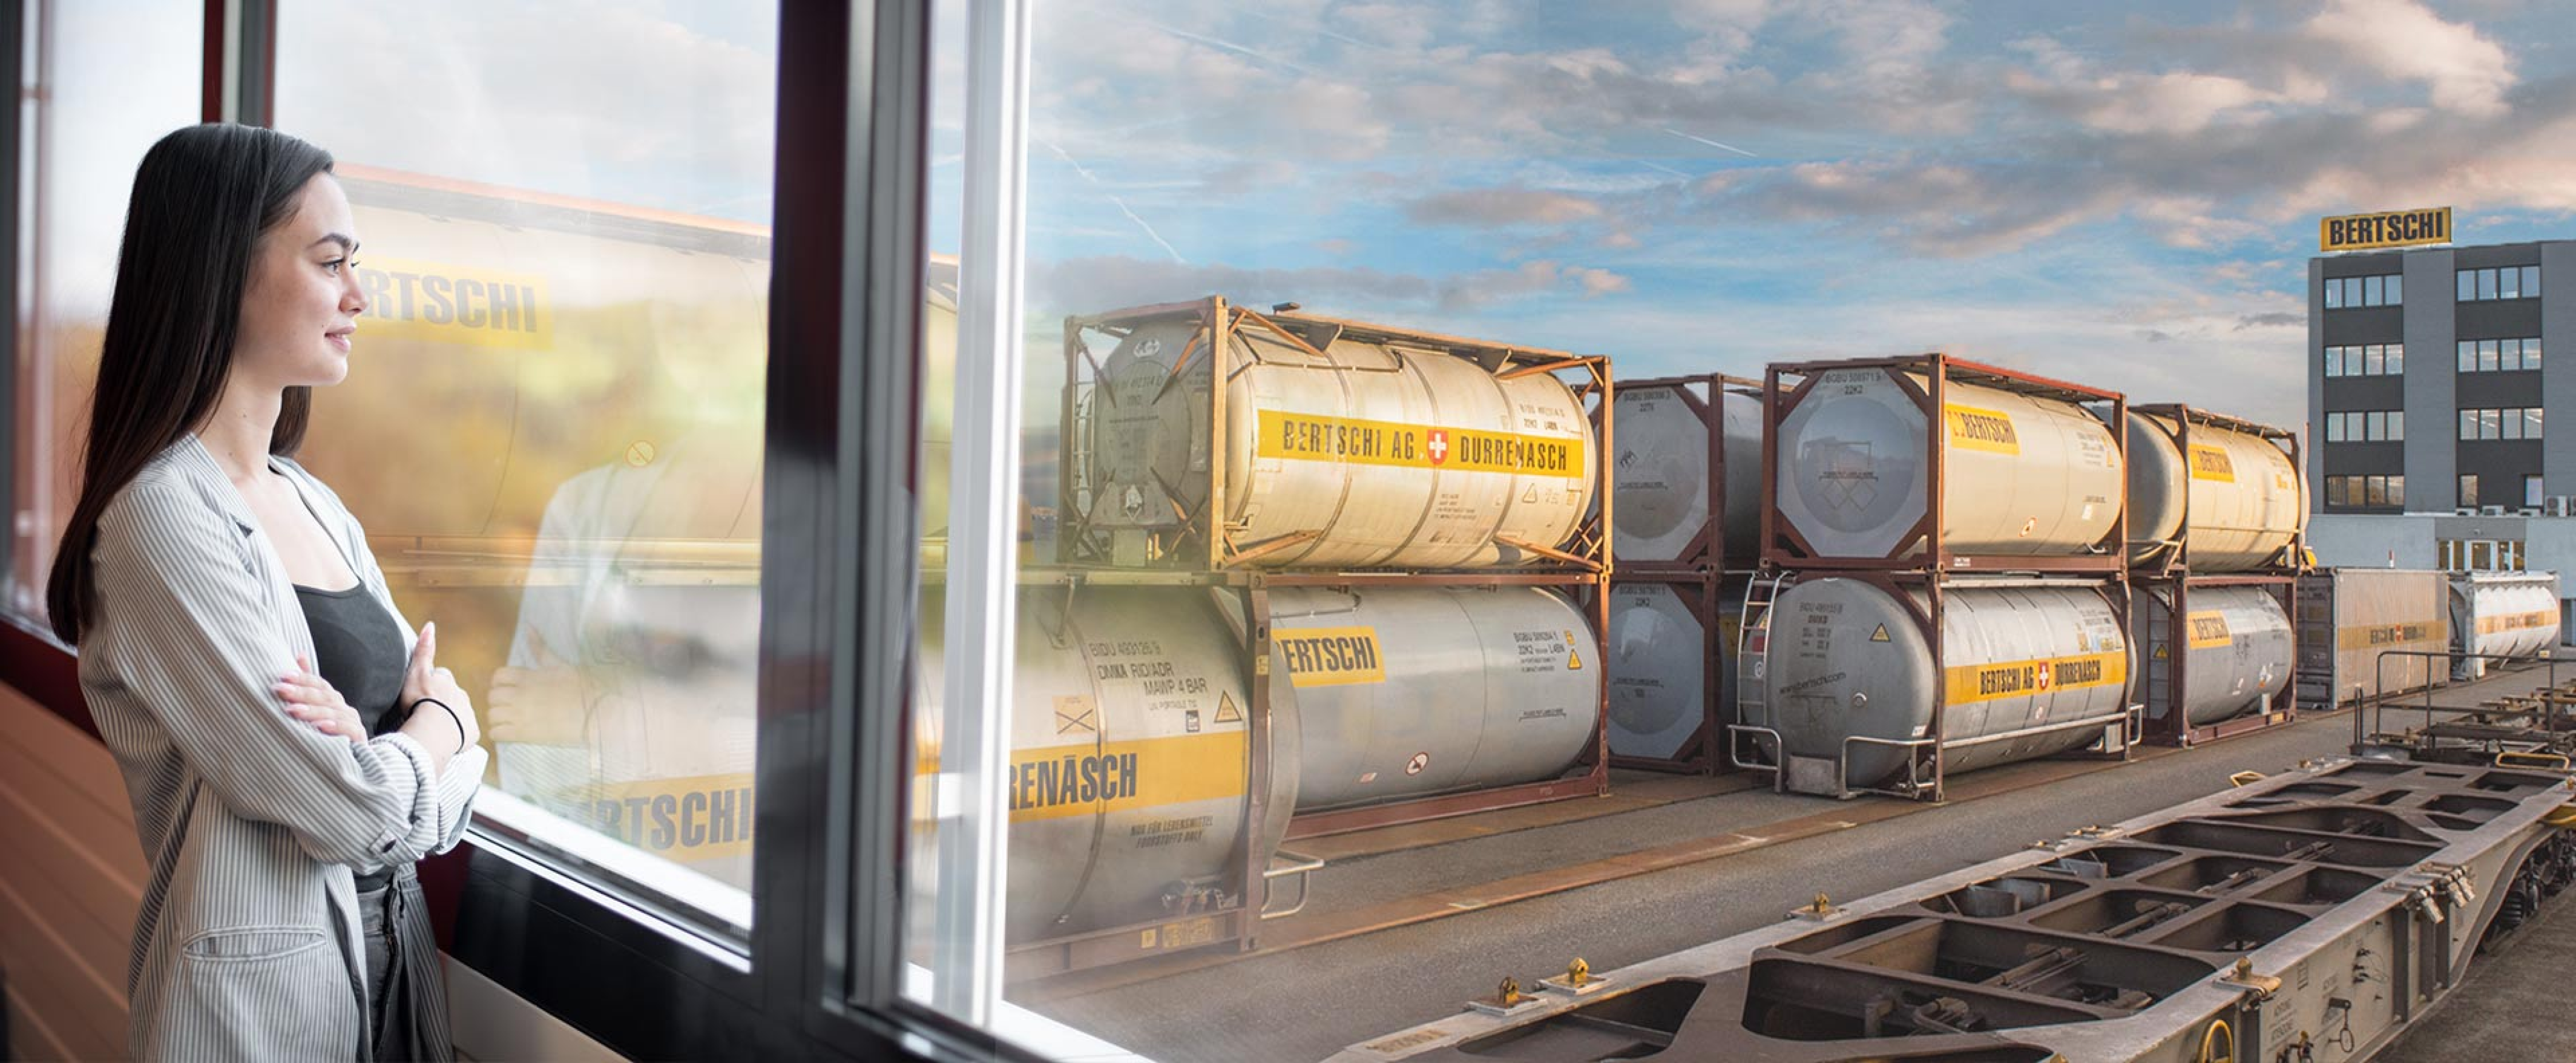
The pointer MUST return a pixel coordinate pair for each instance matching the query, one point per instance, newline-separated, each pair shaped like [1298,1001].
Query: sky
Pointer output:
[2122,195]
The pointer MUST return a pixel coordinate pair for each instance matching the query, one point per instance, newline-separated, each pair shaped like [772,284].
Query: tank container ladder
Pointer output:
[1752,712]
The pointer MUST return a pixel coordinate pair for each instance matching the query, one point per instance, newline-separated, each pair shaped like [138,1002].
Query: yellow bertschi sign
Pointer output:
[2398,228]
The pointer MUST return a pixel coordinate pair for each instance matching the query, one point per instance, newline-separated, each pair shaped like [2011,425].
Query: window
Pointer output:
[2334,293]
[2490,424]
[2524,422]
[2396,289]
[2397,491]
[2481,556]
[2334,428]
[2468,489]
[2531,422]
[114,79]
[2375,491]
[2397,426]
[2499,282]
[2506,355]
[2378,426]
[2376,359]
[2374,291]
[2531,491]
[2487,355]
[2345,293]
[588,267]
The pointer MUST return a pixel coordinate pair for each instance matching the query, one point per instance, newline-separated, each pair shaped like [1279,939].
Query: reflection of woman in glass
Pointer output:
[206,577]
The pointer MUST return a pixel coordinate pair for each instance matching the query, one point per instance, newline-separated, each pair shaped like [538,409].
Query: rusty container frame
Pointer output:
[1784,548]
[1929,750]
[1705,591]
[2176,562]
[1202,543]
[1708,549]
[2176,729]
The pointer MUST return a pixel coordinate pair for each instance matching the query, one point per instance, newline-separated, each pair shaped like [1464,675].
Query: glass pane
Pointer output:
[2396,359]
[2334,361]
[2397,491]
[2468,356]
[568,261]
[2509,283]
[2468,424]
[2334,293]
[110,80]
[2397,425]
[2531,282]
[2468,489]
[2486,284]
[2531,491]
[2374,291]
[2531,422]
[2376,428]
[2352,292]
[2396,289]
[2375,361]
[2511,421]
[2490,424]
[2488,354]
[2376,488]
[2334,428]
[2468,285]
[2531,352]
[2482,556]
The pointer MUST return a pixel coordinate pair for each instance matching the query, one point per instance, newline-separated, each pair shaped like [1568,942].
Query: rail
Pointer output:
[2130,717]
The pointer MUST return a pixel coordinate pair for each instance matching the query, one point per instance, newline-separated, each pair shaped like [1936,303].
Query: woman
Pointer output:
[204,576]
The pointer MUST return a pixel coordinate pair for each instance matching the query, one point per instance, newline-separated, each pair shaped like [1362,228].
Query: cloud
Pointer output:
[2271,319]
[1502,206]
[1098,283]
[2405,40]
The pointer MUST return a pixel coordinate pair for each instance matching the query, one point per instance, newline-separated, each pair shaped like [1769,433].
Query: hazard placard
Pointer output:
[1879,635]
[1225,710]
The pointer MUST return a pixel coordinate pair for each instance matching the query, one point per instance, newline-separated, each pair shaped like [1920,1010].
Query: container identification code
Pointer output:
[1350,440]
[1972,428]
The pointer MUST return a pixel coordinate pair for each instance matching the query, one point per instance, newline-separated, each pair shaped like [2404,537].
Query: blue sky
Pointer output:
[2124,195]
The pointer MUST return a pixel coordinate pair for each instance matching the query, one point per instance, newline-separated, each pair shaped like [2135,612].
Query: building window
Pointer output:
[2347,293]
[2516,423]
[2531,491]
[2366,426]
[2366,491]
[2499,282]
[2376,359]
[2488,356]
[2468,490]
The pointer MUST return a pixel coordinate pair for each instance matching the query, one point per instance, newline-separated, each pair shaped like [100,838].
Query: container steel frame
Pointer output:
[1935,570]
[2172,570]
[1704,590]
[1236,906]
[1201,542]
[1783,548]
[1926,774]
[1699,570]
[1708,549]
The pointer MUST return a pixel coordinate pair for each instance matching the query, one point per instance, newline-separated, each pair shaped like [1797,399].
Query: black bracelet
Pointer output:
[452,717]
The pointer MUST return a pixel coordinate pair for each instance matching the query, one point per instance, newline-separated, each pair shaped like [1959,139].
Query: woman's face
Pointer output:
[302,303]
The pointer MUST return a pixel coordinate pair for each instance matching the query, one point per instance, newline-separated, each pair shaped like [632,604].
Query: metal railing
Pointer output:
[2553,717]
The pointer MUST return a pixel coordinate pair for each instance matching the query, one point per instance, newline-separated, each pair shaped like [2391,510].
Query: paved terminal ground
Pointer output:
[2512,1006]
[1308,1003]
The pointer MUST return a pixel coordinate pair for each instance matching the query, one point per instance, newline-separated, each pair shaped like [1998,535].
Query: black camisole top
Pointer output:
[359,651]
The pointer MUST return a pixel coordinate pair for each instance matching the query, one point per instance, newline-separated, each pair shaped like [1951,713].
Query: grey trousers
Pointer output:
[376,928]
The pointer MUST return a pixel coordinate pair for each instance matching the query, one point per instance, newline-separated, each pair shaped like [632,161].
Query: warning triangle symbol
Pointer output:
[1225,710]
[1530,496]
[2160,653]
[1879,635]
[1573,660]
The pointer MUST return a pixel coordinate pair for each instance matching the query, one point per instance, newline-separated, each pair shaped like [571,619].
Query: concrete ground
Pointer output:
[1308,1003]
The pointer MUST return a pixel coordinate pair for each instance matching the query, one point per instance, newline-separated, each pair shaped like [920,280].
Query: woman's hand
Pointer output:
[424,679]
[311,699]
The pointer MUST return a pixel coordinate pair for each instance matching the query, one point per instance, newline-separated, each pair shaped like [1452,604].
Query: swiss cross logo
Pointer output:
[1439,446]
[2043,675]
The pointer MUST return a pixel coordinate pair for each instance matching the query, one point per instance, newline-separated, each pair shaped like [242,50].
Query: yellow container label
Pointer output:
[2207,629]
[1120,776]
[2488,625]
[1331,656]
[1972,428]
[700,817]
[2211,463]
[2362,638]
[441,302]
[1970,684]
[1350,440]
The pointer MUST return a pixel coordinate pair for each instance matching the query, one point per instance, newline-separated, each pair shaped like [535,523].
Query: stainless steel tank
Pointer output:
[1407,691]
[2247,500]
[1661,669]
[2237,646]
[1387,455]
[1129,751]
[2028,671]
[1662,471]
[2513,614]
[2023,476]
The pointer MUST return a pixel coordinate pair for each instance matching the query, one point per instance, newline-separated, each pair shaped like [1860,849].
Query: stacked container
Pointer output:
[2217,520]
[1688,477]
[1943,585]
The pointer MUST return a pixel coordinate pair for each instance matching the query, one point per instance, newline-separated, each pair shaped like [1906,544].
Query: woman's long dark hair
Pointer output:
[201,200]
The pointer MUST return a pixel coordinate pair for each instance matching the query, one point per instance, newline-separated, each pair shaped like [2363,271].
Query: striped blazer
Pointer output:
[253,823]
